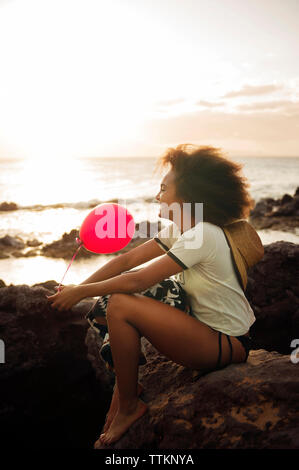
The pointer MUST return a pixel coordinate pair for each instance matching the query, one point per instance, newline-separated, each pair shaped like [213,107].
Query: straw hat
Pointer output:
[246,247]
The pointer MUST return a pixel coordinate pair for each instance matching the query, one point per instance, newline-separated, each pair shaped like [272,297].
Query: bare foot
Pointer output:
[114,407]
[121,423]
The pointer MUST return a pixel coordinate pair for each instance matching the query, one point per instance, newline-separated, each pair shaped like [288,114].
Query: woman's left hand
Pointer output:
[66,297]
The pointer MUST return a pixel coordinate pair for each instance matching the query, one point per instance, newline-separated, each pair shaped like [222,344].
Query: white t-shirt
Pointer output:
[208,276]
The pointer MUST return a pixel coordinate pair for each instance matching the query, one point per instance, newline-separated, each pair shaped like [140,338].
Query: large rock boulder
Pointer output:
[10,245]
[243,406]
[273,292]
[49,394]
[8,206]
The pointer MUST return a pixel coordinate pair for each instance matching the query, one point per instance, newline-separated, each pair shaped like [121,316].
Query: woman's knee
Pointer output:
[116,303]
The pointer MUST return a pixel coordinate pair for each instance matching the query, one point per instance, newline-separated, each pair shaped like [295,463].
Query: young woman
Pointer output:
[203,268]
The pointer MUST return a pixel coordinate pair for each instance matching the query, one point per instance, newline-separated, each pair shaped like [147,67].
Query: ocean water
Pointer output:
[54,198]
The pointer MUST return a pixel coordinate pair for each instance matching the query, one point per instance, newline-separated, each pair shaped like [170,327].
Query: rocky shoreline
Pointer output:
[66,246]
[55,390]
[277,214]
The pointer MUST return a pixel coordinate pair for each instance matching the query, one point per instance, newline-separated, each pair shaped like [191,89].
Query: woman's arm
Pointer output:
[132,281]
[126,261]
[112,268]
[112,277]
[127,283]
[72,294]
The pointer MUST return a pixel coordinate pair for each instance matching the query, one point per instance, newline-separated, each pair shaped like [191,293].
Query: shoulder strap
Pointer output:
[234,263]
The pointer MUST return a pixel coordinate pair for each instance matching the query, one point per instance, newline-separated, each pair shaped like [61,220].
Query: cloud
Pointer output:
[286,105]
[253,90]
[209,104]
[261,133]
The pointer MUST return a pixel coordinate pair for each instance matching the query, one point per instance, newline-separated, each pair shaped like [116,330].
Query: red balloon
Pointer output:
[107,228]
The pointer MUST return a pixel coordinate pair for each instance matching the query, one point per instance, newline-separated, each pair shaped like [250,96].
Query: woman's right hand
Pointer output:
[59,288]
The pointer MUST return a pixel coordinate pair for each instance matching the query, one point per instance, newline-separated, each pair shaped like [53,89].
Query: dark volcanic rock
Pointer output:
[277,214]
[8,206]
[243,406]
[33,243]
[55,390]
[9,244]
[49,395]
[66,246]
[15,246]
[12,242]
[273,292]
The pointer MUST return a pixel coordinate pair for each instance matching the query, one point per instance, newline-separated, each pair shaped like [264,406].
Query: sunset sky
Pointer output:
[132,77]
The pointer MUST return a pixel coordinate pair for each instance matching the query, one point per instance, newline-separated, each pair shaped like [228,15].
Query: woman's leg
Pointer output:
[125,347]
[114,405]
[180,337]
[167,291]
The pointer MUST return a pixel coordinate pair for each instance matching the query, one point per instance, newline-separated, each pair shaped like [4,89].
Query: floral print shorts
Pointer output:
[167,291]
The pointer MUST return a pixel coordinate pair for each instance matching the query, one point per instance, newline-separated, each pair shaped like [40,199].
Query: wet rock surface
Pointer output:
[66,246]
[8,206]
[277,214]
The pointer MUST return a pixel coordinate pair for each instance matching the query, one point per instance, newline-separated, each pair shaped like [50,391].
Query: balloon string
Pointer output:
[70,265]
